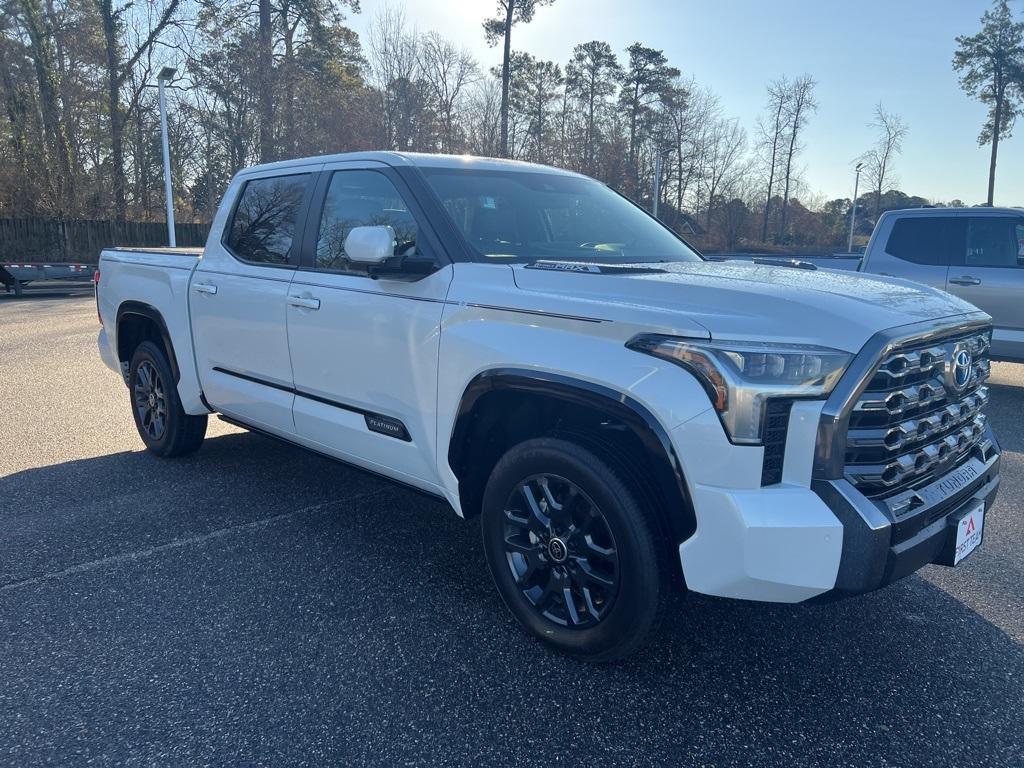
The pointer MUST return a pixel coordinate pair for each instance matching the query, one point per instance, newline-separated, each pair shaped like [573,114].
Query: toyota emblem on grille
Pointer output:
[959,368]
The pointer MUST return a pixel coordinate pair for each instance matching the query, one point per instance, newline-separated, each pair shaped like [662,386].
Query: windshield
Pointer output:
[523,217]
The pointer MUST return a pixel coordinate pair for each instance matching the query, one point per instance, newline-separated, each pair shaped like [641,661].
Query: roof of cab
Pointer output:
[979,210]
[420,159]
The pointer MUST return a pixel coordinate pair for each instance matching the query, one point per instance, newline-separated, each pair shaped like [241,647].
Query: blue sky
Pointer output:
[897,52]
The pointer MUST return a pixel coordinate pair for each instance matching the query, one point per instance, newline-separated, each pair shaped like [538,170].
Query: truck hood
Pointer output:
[743,300]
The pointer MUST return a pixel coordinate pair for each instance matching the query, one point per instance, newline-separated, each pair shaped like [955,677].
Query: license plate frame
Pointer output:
[968,531]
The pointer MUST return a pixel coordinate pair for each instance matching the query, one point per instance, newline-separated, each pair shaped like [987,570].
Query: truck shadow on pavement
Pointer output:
[254,603]
[1005,412]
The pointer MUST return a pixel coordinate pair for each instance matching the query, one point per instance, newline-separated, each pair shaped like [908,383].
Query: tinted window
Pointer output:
[935,240]
[995,242]
[263,227]
[361,199]
[521,216]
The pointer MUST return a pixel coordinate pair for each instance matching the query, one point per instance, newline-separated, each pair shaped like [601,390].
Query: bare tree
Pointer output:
[799,107]
[771,140]
[724,155]
[265,69]
[447,70]
[483,113]
[48,80]
[394,71]
[878,160]
[120,63]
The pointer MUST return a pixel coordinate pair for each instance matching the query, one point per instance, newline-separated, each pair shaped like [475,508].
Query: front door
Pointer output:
[364,350]
[237,302]
[990,275]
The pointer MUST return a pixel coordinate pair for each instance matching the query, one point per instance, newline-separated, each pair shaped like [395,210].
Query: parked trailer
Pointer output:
[17,276]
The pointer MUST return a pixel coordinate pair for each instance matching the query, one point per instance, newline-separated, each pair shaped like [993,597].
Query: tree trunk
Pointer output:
[289,94]
[590,124]
[53,124]
[265,58]
[996,120]
[17,116]
[118,181]
[633,116]
[771,173]
[789,171]
[505,77]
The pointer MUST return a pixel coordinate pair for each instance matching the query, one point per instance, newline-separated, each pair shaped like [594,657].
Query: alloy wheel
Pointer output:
[150,400]
[561,551]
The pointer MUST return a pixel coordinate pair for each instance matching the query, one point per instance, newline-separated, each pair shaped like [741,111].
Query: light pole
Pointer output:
[853,213]
[166,74]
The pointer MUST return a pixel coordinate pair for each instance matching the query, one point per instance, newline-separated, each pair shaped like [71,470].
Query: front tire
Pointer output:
[161,420]
[572,550]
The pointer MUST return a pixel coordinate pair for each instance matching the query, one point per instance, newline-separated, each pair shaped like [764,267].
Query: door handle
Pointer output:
[204,288]
[965,280]
[304,302]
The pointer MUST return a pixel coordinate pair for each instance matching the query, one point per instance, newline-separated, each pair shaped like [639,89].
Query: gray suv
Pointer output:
[974,253]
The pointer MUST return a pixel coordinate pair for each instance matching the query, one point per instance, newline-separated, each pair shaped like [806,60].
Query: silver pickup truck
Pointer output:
[974,253]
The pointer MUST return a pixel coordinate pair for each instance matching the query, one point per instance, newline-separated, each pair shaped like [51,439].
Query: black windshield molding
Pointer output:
[375,422]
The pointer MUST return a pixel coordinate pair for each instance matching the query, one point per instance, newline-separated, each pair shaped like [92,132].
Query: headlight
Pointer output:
[741,376]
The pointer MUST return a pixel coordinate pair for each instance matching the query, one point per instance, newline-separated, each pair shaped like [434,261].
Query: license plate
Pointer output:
[969,532]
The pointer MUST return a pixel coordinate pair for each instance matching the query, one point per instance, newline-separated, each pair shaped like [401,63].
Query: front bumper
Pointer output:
[881,546]
[808,538]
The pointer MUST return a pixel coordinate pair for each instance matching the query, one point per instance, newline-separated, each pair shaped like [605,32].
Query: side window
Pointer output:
[995,242]
[263,227]
[362,199]
[934,240]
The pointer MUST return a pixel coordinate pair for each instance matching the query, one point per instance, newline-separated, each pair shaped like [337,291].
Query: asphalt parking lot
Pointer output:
[257,605]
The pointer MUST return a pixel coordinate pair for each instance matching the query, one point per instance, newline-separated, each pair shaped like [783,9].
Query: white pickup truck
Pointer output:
[628,419]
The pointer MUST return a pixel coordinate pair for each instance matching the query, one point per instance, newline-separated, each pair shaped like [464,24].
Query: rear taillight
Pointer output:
[96,290]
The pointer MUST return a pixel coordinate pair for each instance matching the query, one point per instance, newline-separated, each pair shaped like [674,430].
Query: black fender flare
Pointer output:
[150,312]
[652,435]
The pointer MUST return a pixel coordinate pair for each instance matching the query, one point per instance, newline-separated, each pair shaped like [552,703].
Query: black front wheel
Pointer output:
[572,550]
[164,426]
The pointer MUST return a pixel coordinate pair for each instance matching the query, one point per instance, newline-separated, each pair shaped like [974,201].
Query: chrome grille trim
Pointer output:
[908,424]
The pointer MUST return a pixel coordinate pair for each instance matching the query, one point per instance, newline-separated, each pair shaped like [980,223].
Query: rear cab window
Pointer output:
[263,226]
[934,240]
[995,241]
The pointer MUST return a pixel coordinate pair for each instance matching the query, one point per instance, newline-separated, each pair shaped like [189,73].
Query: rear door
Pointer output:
[237,302]
[991,276]
[920,248]
[364,348]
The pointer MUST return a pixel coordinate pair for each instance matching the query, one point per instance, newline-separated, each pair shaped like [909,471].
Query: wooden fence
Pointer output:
[62,240]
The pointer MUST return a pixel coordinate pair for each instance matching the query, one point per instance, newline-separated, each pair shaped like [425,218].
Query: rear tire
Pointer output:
[162,423]
[579,564]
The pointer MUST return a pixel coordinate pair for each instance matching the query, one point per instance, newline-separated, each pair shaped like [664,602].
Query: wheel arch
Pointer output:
[137,322]
[507,395]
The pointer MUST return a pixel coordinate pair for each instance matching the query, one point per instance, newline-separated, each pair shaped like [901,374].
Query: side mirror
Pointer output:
[370,245]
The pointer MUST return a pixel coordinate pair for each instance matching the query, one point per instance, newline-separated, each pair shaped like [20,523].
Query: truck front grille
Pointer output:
[913,423]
